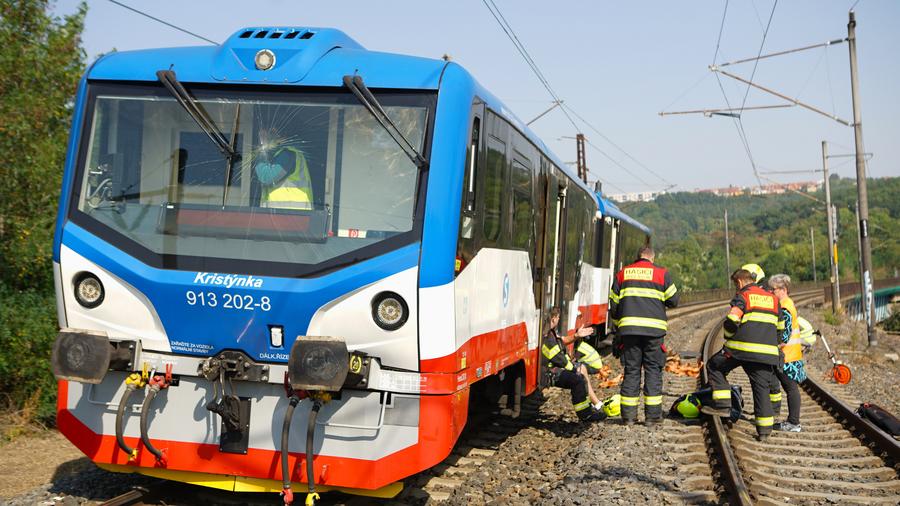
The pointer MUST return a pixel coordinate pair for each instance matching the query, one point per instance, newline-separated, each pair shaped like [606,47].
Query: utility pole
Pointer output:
[832,240]
[727,253]
[582,164]
[862,195]
[812,240]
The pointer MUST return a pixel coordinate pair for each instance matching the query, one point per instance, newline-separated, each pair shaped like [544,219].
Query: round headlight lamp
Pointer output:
[389,310]
[88,290]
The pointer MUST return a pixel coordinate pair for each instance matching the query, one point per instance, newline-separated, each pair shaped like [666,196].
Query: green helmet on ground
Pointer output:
[613,405]
[689,407]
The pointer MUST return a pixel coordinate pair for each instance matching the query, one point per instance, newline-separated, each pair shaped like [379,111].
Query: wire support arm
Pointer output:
[794,101]
[781,53]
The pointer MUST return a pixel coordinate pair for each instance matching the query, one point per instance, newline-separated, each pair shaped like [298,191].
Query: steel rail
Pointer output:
[731,473]
[882,441]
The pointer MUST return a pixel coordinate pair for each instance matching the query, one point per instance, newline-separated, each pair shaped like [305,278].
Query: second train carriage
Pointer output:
[424,233]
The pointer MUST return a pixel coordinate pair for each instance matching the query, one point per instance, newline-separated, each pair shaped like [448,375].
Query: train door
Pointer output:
[552,201]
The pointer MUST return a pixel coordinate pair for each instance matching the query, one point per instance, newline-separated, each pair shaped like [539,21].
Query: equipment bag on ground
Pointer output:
[880,417]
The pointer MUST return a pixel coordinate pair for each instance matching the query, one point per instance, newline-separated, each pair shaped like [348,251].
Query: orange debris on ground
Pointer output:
[675,365]
[605,380]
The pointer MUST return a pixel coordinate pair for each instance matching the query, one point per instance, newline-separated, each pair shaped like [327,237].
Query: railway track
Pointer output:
[838,458]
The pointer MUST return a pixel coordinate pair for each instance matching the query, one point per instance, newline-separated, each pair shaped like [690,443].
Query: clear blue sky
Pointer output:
[617,64]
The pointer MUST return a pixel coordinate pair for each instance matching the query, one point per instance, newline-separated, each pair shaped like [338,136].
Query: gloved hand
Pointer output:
[617,346]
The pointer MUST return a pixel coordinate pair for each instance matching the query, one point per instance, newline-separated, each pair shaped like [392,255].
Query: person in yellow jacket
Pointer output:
[285,180]
[793,371]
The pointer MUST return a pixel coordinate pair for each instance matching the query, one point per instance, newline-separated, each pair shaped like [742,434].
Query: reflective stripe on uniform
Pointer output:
[652,400]
[760,317]
[638,321]
[613,296]
[583,405]
[295,192]
[630,401]
[733,317]
[649,293]
[775,397]
[721,394]
[670,292]
[765,421]
[590,356]
[550,352]
[765,349]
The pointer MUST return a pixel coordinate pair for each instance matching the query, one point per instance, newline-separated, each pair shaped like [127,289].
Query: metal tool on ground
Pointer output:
[840,373]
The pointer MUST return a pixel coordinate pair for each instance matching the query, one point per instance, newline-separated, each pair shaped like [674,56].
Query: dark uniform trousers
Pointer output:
[793,396]
[642,353]
[575,383]
[761,377]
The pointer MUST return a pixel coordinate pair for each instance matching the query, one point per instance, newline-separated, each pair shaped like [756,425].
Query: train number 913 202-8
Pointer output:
[227,301]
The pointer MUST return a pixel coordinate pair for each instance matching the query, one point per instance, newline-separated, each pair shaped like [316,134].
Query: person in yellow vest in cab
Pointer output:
[285,179]
[793,371]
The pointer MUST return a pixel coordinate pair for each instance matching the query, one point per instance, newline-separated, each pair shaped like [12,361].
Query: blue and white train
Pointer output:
[200,311]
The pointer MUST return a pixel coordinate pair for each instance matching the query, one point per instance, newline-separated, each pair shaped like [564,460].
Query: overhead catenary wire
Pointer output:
[759,53]
[170,25]
[613,144]
[567,110]
[510,33]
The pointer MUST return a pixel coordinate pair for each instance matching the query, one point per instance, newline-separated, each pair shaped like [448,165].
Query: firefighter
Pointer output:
[640,294]
[565,374]
[775,396]
[751,341]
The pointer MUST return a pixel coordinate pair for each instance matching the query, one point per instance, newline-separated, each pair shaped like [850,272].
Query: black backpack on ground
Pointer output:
[883,419]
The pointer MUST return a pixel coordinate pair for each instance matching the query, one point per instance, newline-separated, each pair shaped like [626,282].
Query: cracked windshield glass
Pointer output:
[314,177]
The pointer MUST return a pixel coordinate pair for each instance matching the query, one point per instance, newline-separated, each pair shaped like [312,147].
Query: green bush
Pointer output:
[832,318]
[27,328]
[892,324]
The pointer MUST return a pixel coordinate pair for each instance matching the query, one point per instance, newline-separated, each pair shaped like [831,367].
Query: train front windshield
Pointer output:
[315,183]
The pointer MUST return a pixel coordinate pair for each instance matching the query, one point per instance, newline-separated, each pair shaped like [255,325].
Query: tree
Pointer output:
[41,61]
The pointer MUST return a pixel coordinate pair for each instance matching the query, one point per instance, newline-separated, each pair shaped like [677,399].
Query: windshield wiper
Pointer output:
[367,99]
[168,79]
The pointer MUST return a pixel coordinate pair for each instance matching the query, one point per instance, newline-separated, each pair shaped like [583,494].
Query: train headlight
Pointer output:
[264,59]
[88,290]
[389,310]
[318,363]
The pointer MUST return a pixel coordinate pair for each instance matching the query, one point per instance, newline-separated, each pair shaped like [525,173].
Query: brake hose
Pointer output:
[285,438]
[120,424]
[157,383]
[310,439]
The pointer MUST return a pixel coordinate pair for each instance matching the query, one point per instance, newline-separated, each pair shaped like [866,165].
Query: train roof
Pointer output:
[608,208]
[310,56]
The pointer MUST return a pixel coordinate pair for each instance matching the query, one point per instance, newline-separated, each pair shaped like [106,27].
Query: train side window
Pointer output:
[494,172]
[468,208]
[522,206]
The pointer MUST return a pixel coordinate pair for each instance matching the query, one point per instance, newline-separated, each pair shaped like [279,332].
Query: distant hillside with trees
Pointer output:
[771,230]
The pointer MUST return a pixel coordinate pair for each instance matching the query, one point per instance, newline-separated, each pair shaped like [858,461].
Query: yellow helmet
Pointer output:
[689,407]
[613,405]
[756,270]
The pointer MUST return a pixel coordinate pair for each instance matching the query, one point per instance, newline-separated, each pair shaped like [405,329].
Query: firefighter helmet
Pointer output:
[689,407]
[613,405]
[756,270]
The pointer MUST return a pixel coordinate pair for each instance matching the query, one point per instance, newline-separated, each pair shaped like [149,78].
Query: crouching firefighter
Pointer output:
[640,294]
[751,341]
[563,373]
